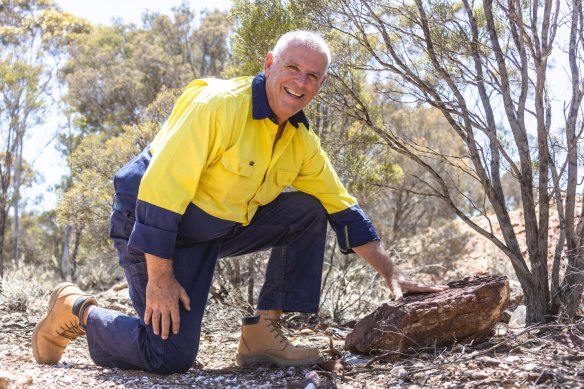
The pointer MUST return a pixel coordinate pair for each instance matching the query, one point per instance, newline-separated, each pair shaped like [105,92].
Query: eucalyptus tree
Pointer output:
[112,78]
[32,33]
[485,65]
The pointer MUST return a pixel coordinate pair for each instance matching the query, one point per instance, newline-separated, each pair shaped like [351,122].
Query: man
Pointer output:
[209,186]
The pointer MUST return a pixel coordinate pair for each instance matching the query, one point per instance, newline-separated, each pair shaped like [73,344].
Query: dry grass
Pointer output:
[20,293]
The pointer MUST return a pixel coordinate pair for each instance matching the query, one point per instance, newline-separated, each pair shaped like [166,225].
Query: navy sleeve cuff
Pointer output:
[155,230]
[353,228]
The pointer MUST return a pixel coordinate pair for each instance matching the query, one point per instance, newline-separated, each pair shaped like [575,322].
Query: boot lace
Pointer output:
[71,331]
[276,326]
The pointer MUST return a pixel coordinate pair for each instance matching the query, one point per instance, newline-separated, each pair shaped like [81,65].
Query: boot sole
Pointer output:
[262,359]
[37,328]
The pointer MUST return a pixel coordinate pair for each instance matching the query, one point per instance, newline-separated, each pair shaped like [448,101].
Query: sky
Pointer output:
[102,11]
[39,148]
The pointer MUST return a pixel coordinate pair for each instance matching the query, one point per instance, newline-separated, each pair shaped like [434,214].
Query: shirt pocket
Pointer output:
[242,167]
[235,182]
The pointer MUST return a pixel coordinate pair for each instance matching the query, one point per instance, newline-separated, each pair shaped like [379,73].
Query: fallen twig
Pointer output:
[527,330]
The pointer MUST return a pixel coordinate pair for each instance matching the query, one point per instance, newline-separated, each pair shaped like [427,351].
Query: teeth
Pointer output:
[293,93]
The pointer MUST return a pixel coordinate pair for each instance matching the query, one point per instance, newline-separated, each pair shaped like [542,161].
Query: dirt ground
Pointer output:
[548,356]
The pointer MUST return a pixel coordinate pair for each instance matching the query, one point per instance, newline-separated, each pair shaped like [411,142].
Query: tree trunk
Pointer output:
[16,185]
[73,257]
[3,217]
[65,269]
[535,299]
[572,287]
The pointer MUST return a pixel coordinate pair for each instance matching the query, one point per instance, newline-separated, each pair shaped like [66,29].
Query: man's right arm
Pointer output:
[163,293]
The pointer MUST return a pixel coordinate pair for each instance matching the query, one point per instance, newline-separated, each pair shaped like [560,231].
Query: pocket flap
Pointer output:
[243,167]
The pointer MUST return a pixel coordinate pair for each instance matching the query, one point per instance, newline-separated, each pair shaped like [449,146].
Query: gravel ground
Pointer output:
[550,356]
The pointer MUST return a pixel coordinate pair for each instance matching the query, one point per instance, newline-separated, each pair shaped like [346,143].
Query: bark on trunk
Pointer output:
[65,268]
[536,303]
[16,186]
[2,232]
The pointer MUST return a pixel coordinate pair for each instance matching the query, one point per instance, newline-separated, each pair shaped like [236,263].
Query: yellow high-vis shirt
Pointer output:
[213,153]
[217,152]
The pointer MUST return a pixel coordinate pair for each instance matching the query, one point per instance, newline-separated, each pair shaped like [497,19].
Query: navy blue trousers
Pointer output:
[293,226]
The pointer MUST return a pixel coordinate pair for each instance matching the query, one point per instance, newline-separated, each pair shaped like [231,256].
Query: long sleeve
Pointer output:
[318,178]
[180,153]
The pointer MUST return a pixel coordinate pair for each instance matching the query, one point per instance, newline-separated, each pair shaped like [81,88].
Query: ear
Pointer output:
[322,81]
[268,62]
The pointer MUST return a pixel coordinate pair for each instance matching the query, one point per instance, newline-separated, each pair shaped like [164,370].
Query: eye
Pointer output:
[313,77]
[293,68]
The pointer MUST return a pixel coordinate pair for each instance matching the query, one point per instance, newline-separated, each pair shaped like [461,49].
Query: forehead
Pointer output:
[304,55]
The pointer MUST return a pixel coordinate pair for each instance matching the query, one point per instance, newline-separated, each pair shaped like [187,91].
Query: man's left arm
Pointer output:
[374,254]
[354,230]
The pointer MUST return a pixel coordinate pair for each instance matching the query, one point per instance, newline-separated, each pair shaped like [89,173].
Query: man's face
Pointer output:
[293,79]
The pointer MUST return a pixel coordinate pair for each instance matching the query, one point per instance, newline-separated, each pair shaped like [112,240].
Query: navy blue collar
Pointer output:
[261,108]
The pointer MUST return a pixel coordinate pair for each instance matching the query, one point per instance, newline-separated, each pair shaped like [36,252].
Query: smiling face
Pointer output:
[293,78]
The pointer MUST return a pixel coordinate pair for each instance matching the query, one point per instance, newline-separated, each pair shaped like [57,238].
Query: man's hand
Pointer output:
[376,256]
[163,293]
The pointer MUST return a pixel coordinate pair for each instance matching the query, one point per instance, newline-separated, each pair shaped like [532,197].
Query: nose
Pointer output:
[301,78]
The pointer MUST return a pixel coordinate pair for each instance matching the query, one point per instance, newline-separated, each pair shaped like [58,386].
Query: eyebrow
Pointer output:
[309,71]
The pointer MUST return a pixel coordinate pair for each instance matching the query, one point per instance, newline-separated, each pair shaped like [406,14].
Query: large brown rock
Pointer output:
[467,311]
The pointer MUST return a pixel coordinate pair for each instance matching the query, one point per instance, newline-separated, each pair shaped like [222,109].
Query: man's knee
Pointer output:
[177,360]
[310,205]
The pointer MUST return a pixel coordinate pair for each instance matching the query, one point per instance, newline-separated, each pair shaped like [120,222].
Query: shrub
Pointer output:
[19,293]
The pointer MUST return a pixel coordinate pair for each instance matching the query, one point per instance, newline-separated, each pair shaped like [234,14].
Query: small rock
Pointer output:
[399,372]
[479,375]
[306,331]
[529,367]
[310,386]
[353,359]
[420,379]
[13,381]
[512,358]
[517,319]
[313,376]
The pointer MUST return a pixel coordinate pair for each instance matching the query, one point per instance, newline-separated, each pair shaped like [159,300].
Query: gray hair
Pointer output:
[311,39]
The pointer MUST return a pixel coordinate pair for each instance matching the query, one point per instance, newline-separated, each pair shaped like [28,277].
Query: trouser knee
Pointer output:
[176,360]
[309,206]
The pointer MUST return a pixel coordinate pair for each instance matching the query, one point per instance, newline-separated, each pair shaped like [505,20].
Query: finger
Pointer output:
[185,300]
[396,289]
[147,315]
[175,320]
[156,323]
[165,324]
[415,287]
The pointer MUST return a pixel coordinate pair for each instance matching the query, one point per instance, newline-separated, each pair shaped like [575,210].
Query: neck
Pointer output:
[281,127]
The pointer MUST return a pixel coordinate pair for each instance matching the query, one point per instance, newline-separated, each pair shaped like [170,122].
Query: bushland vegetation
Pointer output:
[433,112]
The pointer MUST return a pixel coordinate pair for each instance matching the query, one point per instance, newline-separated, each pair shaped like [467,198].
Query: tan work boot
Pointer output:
[262,341]
[61,324]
